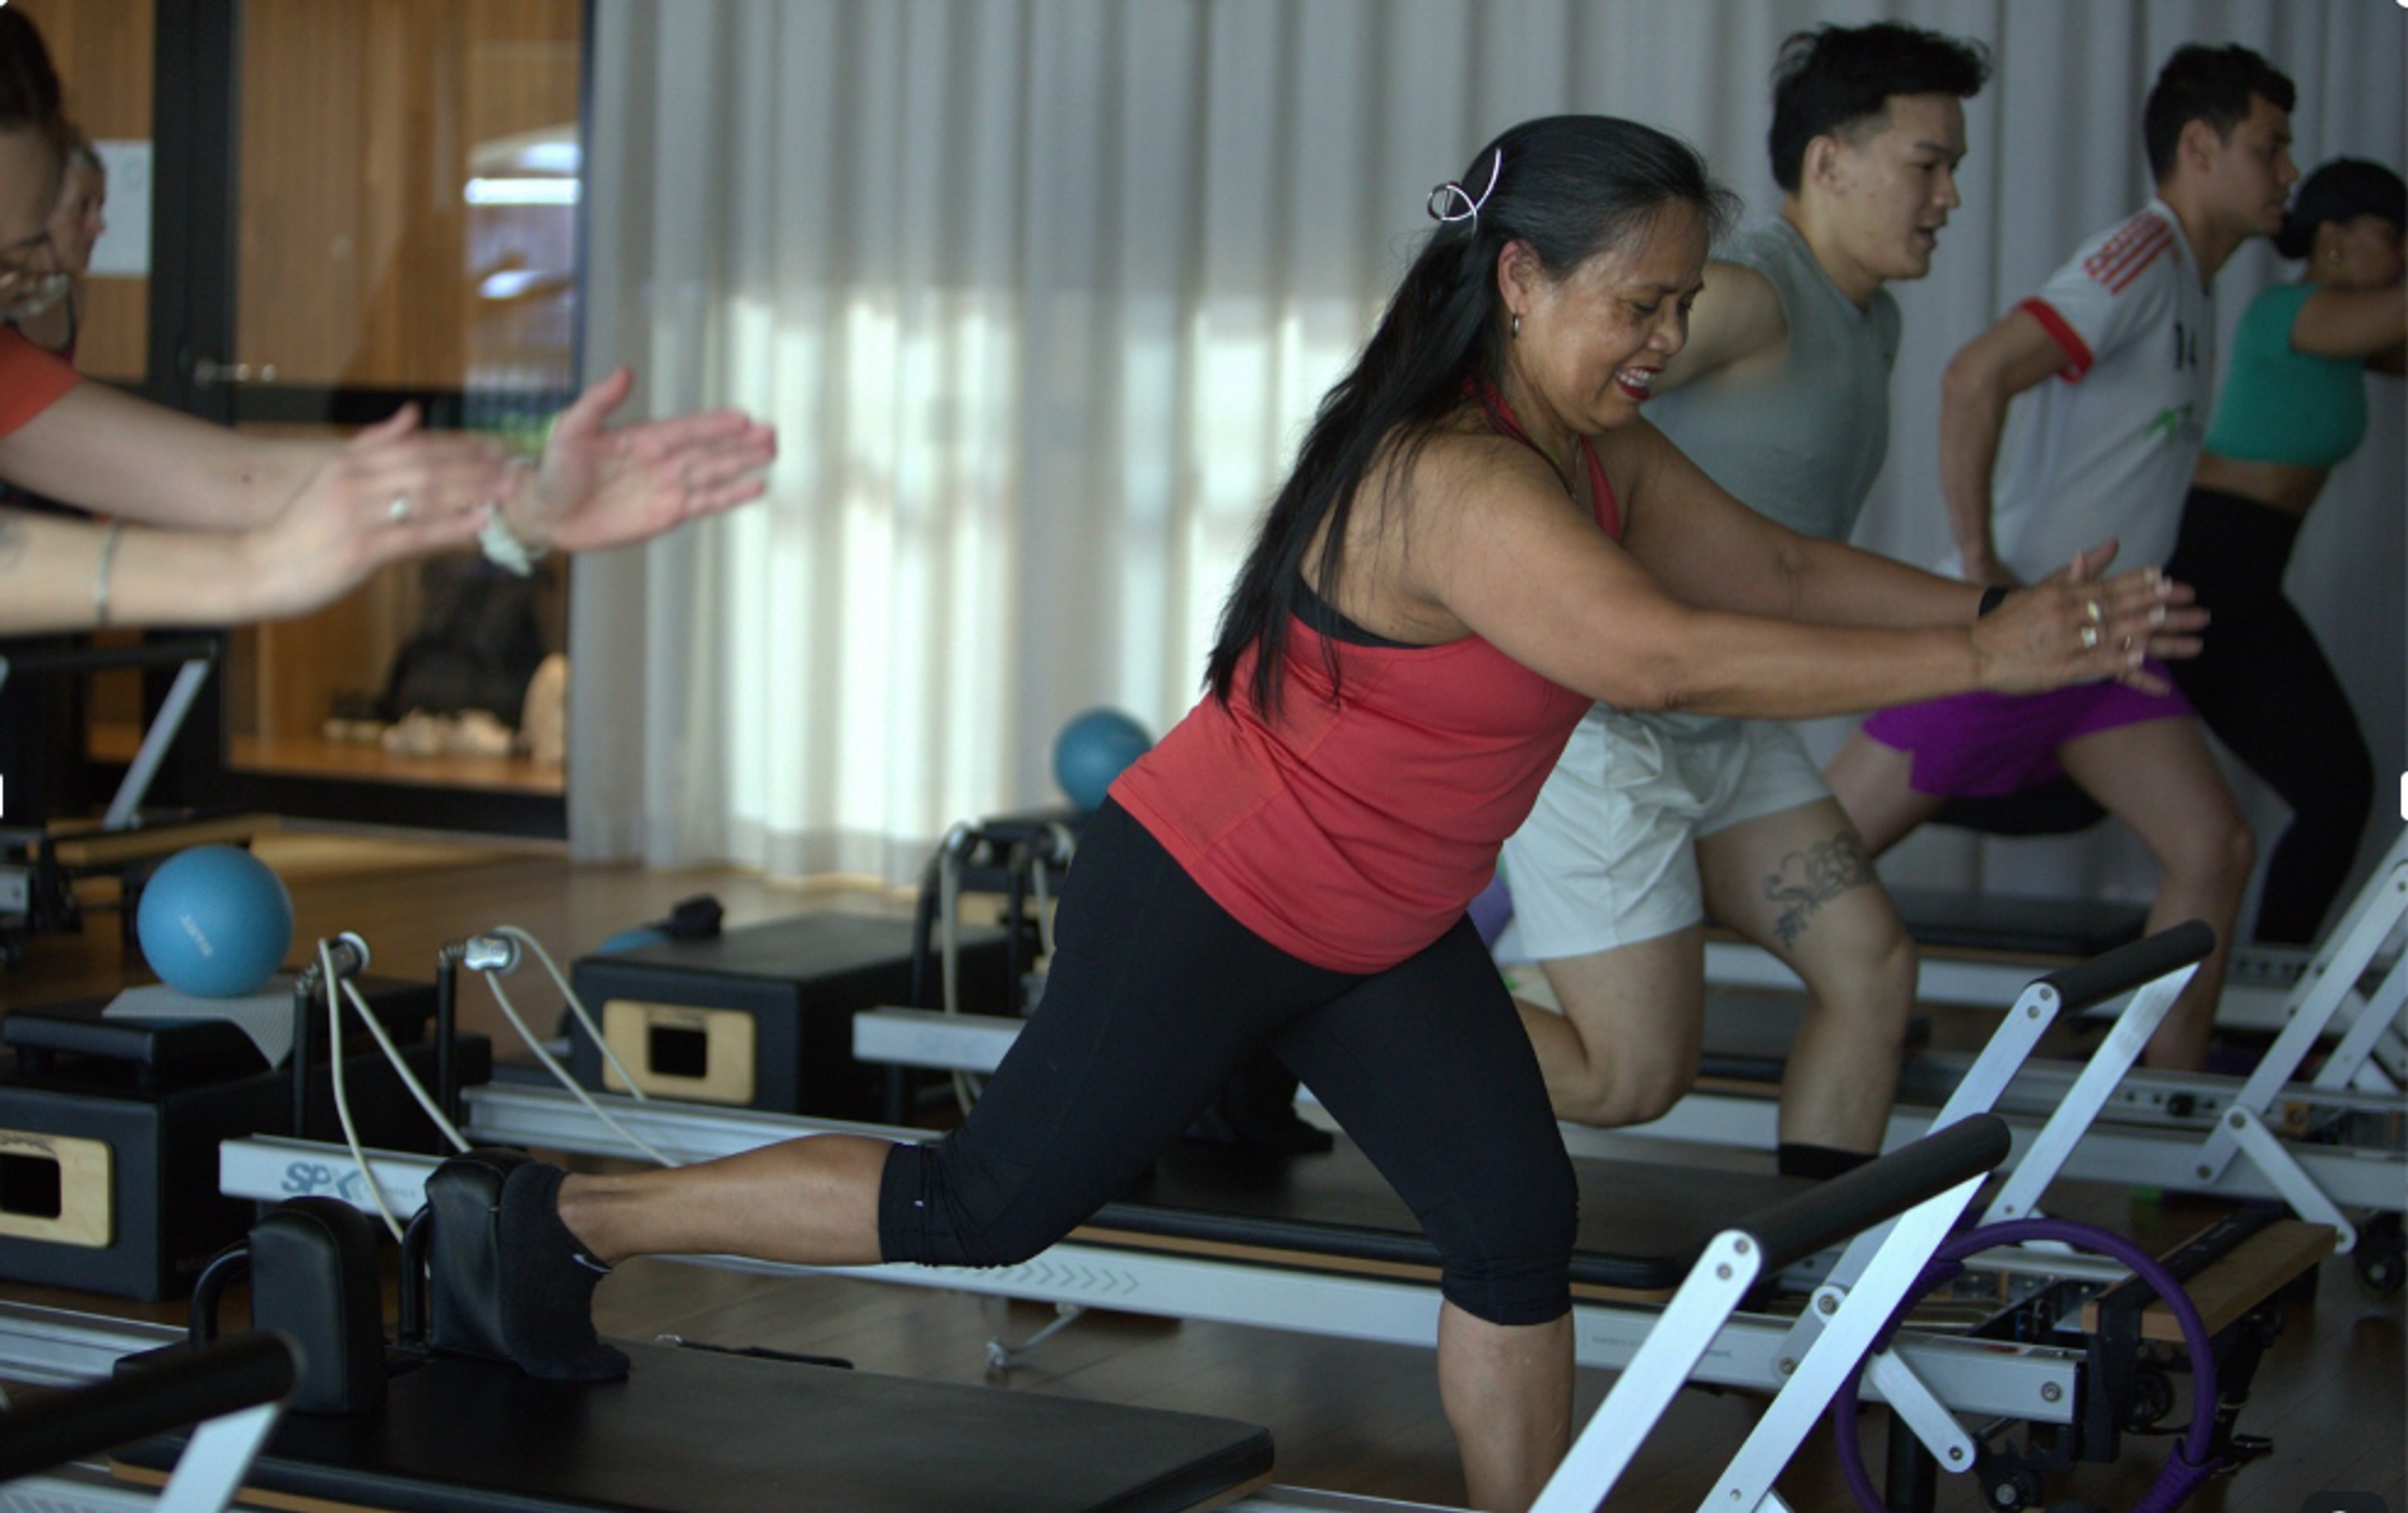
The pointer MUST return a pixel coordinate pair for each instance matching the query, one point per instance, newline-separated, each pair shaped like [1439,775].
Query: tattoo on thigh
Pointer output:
[1808,879]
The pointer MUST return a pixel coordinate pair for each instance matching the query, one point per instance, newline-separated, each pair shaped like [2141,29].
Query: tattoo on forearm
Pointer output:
[1808,879]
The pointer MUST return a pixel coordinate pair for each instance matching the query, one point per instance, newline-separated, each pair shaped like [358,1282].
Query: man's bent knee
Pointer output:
[1610,1094]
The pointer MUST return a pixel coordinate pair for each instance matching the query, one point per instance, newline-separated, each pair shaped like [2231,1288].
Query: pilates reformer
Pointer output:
[2322,1146]
[1213,1237]
[1976,950]
[1272,1278]
[707,1430]
[2320,1124]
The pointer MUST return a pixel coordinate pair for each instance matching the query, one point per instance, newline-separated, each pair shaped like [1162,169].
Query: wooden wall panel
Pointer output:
[358,123]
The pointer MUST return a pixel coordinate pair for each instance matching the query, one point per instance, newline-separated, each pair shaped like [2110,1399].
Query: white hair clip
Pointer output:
[1451,202]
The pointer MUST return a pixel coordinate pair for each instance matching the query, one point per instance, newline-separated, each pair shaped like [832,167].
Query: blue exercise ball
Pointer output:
[1092,750]
[214,922]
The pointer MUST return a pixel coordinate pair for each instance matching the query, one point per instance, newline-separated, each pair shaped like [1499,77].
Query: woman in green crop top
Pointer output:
[2293,407]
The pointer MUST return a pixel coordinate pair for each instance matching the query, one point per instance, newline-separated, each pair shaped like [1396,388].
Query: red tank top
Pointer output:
[1352,832]
[30,381]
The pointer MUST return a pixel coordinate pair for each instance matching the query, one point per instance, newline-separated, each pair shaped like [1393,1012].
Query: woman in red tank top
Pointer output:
[1480,538]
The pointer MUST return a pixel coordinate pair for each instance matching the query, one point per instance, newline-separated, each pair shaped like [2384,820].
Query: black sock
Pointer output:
[1821,1162]
[547,1285]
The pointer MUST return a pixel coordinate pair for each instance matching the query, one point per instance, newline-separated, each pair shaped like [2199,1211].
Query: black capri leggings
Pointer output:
[1156,994]
[2262,684]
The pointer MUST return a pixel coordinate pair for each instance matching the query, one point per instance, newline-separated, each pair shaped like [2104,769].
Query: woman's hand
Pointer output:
[394,492]
[601,486]
[2075,627]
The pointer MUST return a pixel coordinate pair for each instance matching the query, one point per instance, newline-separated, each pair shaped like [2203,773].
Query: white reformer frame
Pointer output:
[1675,1340]
[2201,1133]
[2031,1382]
[1924,1407]
[2098,1119]
[1699,1336]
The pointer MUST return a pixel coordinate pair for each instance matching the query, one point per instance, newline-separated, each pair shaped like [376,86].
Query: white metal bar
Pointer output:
[2330,982]
[1846,1338]
[2272,1156]
[1914,1405]
[2254,987]
[1684,1333]
[927,1038]
[2377,1020]
[216,1459]
[53,1348]
[2076,1116]
[155,741]
[2125,1154]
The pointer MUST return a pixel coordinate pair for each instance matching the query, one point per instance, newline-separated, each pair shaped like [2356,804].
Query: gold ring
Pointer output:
[2089,637]
[2090,608]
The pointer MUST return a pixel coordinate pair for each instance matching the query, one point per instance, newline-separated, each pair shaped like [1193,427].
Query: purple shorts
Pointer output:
[1984,745]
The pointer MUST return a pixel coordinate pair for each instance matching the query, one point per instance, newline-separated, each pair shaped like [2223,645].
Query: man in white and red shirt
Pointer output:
[2113,361]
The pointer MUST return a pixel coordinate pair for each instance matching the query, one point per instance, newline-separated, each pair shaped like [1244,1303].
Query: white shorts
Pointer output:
[1609,857]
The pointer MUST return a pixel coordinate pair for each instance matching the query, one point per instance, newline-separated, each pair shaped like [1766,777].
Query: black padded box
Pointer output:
[2015,924]
[109,1132]
[762,1016]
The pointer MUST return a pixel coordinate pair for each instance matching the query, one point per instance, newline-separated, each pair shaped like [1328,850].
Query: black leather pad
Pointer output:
[701,1432]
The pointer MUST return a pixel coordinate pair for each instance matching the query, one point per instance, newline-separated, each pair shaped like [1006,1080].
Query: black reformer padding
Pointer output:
[169,1390]
[698,1431]
[2128,967]
[1831,1213]
[2015,925]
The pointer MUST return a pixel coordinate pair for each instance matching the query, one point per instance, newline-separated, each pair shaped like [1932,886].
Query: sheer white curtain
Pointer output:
[1041,292]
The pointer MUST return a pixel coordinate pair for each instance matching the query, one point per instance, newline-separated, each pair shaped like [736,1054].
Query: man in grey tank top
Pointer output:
[1651,822]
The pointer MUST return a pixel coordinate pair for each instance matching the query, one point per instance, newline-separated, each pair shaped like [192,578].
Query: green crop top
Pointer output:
[2281,405]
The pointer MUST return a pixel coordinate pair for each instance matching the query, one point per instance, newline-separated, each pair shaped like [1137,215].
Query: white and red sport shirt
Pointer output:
[2107,447]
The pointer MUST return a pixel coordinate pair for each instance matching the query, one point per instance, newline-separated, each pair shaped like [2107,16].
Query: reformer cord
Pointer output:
[337,989]
[339,986]
[492,974]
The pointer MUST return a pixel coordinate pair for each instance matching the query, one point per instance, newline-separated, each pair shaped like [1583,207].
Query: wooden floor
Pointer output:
[1355,1417]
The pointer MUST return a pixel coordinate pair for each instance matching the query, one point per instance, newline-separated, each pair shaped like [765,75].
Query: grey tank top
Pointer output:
[1799,438]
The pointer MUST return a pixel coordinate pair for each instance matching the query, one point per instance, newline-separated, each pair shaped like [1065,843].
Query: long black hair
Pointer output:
[29,83]
[1569,187]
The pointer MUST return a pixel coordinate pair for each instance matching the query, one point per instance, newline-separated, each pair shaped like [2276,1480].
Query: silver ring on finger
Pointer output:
[2089,637]
[2090,608]
[398,509]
